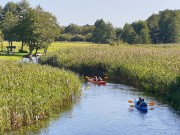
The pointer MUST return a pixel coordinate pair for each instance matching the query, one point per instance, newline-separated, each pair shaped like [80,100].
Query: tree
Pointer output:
[153,24]
[118,33]
[9,19]
[41,29]
[110,33]
[165,20]
[142,32]
[11,7]
[8,24]
[87,29]
[22,8]
[136,33]
[1,12]
[73,29]
[103,33]
[99,31]
[174,27]
[1,39]
[128,34]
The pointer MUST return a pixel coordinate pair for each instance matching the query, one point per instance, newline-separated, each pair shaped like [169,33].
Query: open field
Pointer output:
[53,47]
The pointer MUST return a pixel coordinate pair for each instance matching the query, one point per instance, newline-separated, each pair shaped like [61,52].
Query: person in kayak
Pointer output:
[95,78]
[143,103]
[139,101]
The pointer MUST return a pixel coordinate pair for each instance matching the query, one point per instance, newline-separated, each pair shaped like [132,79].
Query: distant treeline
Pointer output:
[37,28]
[163,27]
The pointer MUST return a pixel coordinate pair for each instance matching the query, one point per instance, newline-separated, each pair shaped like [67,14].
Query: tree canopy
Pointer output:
[103,32]
[33,26]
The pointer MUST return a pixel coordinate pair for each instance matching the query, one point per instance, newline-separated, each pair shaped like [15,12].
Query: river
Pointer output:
[104,110]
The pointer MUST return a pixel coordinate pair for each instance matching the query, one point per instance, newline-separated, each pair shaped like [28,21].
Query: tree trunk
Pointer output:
[11,46]
[36,52]
[22,46]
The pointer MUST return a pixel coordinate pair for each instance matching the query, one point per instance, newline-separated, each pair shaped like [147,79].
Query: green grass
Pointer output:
[30,92]
[53,47]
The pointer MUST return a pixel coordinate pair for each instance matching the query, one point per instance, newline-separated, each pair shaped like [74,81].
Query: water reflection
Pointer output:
[36,128]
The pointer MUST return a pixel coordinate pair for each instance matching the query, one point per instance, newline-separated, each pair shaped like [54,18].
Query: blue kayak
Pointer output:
[140,108]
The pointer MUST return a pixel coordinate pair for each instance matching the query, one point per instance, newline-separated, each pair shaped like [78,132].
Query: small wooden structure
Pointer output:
[11,49]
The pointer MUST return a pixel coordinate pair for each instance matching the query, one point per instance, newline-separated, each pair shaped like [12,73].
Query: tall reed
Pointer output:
[30,92]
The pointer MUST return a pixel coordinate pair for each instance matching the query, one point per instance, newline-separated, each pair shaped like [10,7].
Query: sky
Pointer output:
[118,12]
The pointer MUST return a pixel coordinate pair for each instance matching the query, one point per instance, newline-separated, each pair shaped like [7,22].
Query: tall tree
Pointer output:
[128,34]
[22,8]
[99,31]
[9,20]
[165,20]
[153,24]
[41,29]
[174,27]
[118,33]
[103,33]
[8,24]
[142,32]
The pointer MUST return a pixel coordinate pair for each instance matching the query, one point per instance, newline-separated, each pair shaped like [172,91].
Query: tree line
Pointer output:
[37,28]
[163,27]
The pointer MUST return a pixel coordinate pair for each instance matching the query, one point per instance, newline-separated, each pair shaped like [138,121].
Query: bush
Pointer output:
[64,37]
[78,38]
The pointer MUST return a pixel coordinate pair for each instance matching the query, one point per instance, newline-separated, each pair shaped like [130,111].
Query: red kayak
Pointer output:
[96,82]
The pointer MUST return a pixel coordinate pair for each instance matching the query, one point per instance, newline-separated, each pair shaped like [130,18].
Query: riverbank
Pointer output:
[30,92]
[150,68]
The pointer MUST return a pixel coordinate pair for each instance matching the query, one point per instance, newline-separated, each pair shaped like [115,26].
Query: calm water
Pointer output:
[104,110]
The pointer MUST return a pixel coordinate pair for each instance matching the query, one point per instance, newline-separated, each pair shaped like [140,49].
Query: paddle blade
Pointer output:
[151,103]
[130,101]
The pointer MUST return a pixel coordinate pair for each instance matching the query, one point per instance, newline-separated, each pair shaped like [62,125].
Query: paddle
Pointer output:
[105,77]
[130,101]
[150,103]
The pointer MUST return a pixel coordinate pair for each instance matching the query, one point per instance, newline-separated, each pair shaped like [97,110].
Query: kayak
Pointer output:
[140,108]
[97,82]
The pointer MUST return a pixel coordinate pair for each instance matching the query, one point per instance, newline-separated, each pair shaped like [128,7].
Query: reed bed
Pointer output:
[30,92]
[151,68]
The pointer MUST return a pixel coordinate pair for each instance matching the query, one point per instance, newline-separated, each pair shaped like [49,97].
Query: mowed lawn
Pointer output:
[53,47]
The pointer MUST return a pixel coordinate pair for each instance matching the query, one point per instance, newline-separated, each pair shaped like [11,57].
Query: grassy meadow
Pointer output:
[154,68]
[53,47]
[30,92]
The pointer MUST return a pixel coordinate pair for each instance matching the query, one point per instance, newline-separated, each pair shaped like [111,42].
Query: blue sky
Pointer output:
[118,12]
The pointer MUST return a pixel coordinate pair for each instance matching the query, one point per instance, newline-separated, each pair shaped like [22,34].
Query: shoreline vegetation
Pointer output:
[31,92]
[152,68]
